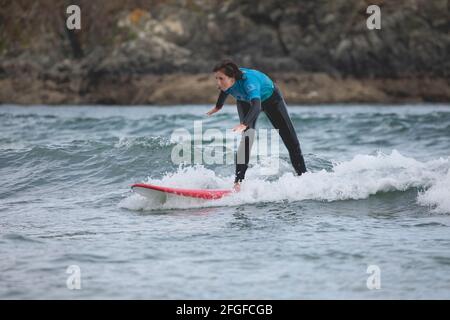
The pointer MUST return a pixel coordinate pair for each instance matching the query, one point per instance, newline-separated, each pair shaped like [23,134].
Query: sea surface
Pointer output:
[370,219]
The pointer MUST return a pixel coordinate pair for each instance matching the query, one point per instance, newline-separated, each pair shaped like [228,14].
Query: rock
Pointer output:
[325,49]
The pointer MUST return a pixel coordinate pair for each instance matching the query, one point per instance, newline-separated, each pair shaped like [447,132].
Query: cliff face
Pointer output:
[129,49]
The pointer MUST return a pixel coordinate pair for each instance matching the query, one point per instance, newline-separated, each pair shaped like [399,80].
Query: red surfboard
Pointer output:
[147,190]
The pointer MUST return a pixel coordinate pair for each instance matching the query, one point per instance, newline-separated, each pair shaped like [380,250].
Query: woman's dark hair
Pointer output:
[229,68]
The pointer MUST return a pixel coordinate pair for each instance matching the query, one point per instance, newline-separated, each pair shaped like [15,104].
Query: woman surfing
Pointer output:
[255,92]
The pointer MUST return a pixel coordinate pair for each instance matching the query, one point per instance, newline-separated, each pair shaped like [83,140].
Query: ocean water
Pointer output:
[370,220]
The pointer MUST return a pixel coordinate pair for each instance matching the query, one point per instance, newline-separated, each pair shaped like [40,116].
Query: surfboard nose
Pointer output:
[207,194]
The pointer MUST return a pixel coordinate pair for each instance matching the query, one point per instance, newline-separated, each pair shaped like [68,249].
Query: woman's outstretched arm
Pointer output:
[221,99]
[219,104]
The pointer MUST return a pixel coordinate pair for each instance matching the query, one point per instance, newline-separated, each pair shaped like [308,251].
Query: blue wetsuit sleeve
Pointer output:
[221,99]
[253,113]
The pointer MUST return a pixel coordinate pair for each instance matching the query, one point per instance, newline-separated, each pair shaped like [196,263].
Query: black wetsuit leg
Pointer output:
[242,156]
[276,111]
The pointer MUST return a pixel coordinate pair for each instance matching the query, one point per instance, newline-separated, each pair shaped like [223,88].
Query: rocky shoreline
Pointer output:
[182,88]
[132,52]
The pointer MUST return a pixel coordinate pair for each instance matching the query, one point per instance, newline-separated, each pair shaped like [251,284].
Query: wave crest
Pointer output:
[358,178]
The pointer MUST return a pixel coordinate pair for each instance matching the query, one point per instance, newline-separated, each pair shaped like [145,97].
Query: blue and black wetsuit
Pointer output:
[254,93]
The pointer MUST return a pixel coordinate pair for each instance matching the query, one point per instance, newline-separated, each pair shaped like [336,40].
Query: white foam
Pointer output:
[358,178]
[438,196]
[128,142]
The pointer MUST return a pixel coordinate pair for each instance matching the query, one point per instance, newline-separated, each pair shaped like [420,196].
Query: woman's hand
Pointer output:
[239,128]
[212,111]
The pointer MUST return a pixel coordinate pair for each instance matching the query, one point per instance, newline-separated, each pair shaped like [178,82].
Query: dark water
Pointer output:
[377,193]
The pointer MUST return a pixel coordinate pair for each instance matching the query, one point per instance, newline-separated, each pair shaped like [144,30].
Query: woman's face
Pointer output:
[223,81]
